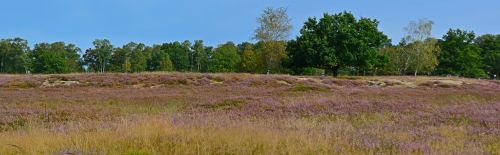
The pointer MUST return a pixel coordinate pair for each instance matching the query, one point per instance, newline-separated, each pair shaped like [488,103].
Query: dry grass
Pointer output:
[184,113]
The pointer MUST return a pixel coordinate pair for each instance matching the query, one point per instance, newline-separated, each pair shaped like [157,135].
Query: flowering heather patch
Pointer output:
[188,113]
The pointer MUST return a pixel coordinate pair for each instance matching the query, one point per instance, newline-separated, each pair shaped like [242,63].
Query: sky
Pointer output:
[218,21]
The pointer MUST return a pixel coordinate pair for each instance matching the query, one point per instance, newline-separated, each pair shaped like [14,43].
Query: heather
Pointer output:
[191,113]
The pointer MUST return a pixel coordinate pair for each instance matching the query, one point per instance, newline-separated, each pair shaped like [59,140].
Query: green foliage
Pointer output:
[414,58]
[13,55]
[306,88]
[55,58]
[337,41]
[333,44]
[249,59]
[272,54]
[225,58]
[159,60]
[199,56]
[396,64]
[98,59]
[132,57]
[137,58]
[274,29]
[420,50]
[490,46]
[179,55]
[127,66]
[226,104]
[460,56]
[119,58]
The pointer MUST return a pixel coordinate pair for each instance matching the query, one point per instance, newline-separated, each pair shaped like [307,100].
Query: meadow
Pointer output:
[193,113]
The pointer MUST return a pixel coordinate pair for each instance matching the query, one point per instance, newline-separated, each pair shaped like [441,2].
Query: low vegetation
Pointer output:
[191,113]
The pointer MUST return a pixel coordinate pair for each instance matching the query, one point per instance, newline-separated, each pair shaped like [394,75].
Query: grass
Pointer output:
[185,113]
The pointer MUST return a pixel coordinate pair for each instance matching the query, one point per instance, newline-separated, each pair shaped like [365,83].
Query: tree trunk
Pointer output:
[334,70]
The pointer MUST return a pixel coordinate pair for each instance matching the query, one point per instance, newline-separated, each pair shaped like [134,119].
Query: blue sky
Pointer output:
[218,21]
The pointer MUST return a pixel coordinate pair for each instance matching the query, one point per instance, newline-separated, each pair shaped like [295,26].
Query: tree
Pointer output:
[337,41]
[13,55]
[99,58]
[209,52]
[179,55]
[72,57]
[460,56]
[199,55]
[159,60]
[225,58]
[137,57]
[490,51]
[249,59]
[120,56]
[126,66]
[274,29]
[131,54]
[395,64]
[420,49]
[55,58]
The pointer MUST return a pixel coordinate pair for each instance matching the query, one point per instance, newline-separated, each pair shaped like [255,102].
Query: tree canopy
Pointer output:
[490,46]
[334,44]
[337,41]
[460,56]
[57,57]
[13,55]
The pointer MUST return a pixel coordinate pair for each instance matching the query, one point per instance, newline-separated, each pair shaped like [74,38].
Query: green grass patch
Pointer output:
[226,104]
[305,88]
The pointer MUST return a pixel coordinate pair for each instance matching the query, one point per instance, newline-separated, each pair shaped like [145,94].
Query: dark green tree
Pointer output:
[13,55]
[179,55]
[490,51]
[225,58]
[137,57]
[159,60]
[120,60]
[459,55]
[337,41]
[131,57]
[55,58]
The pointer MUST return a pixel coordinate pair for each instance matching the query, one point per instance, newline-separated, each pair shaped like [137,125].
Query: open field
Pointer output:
[187,113]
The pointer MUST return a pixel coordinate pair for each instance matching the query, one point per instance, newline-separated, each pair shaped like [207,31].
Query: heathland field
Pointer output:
[188,113]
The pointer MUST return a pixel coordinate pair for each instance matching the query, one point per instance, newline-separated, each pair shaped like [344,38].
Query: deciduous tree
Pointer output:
[420,50]
[337,41]
[490,51]
[55,58]
[99,58]
[225,58]
[274,28]
[179,55]
[460,56]
[13,56]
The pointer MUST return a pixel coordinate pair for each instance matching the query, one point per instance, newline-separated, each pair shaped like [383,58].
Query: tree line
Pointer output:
[333,44]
